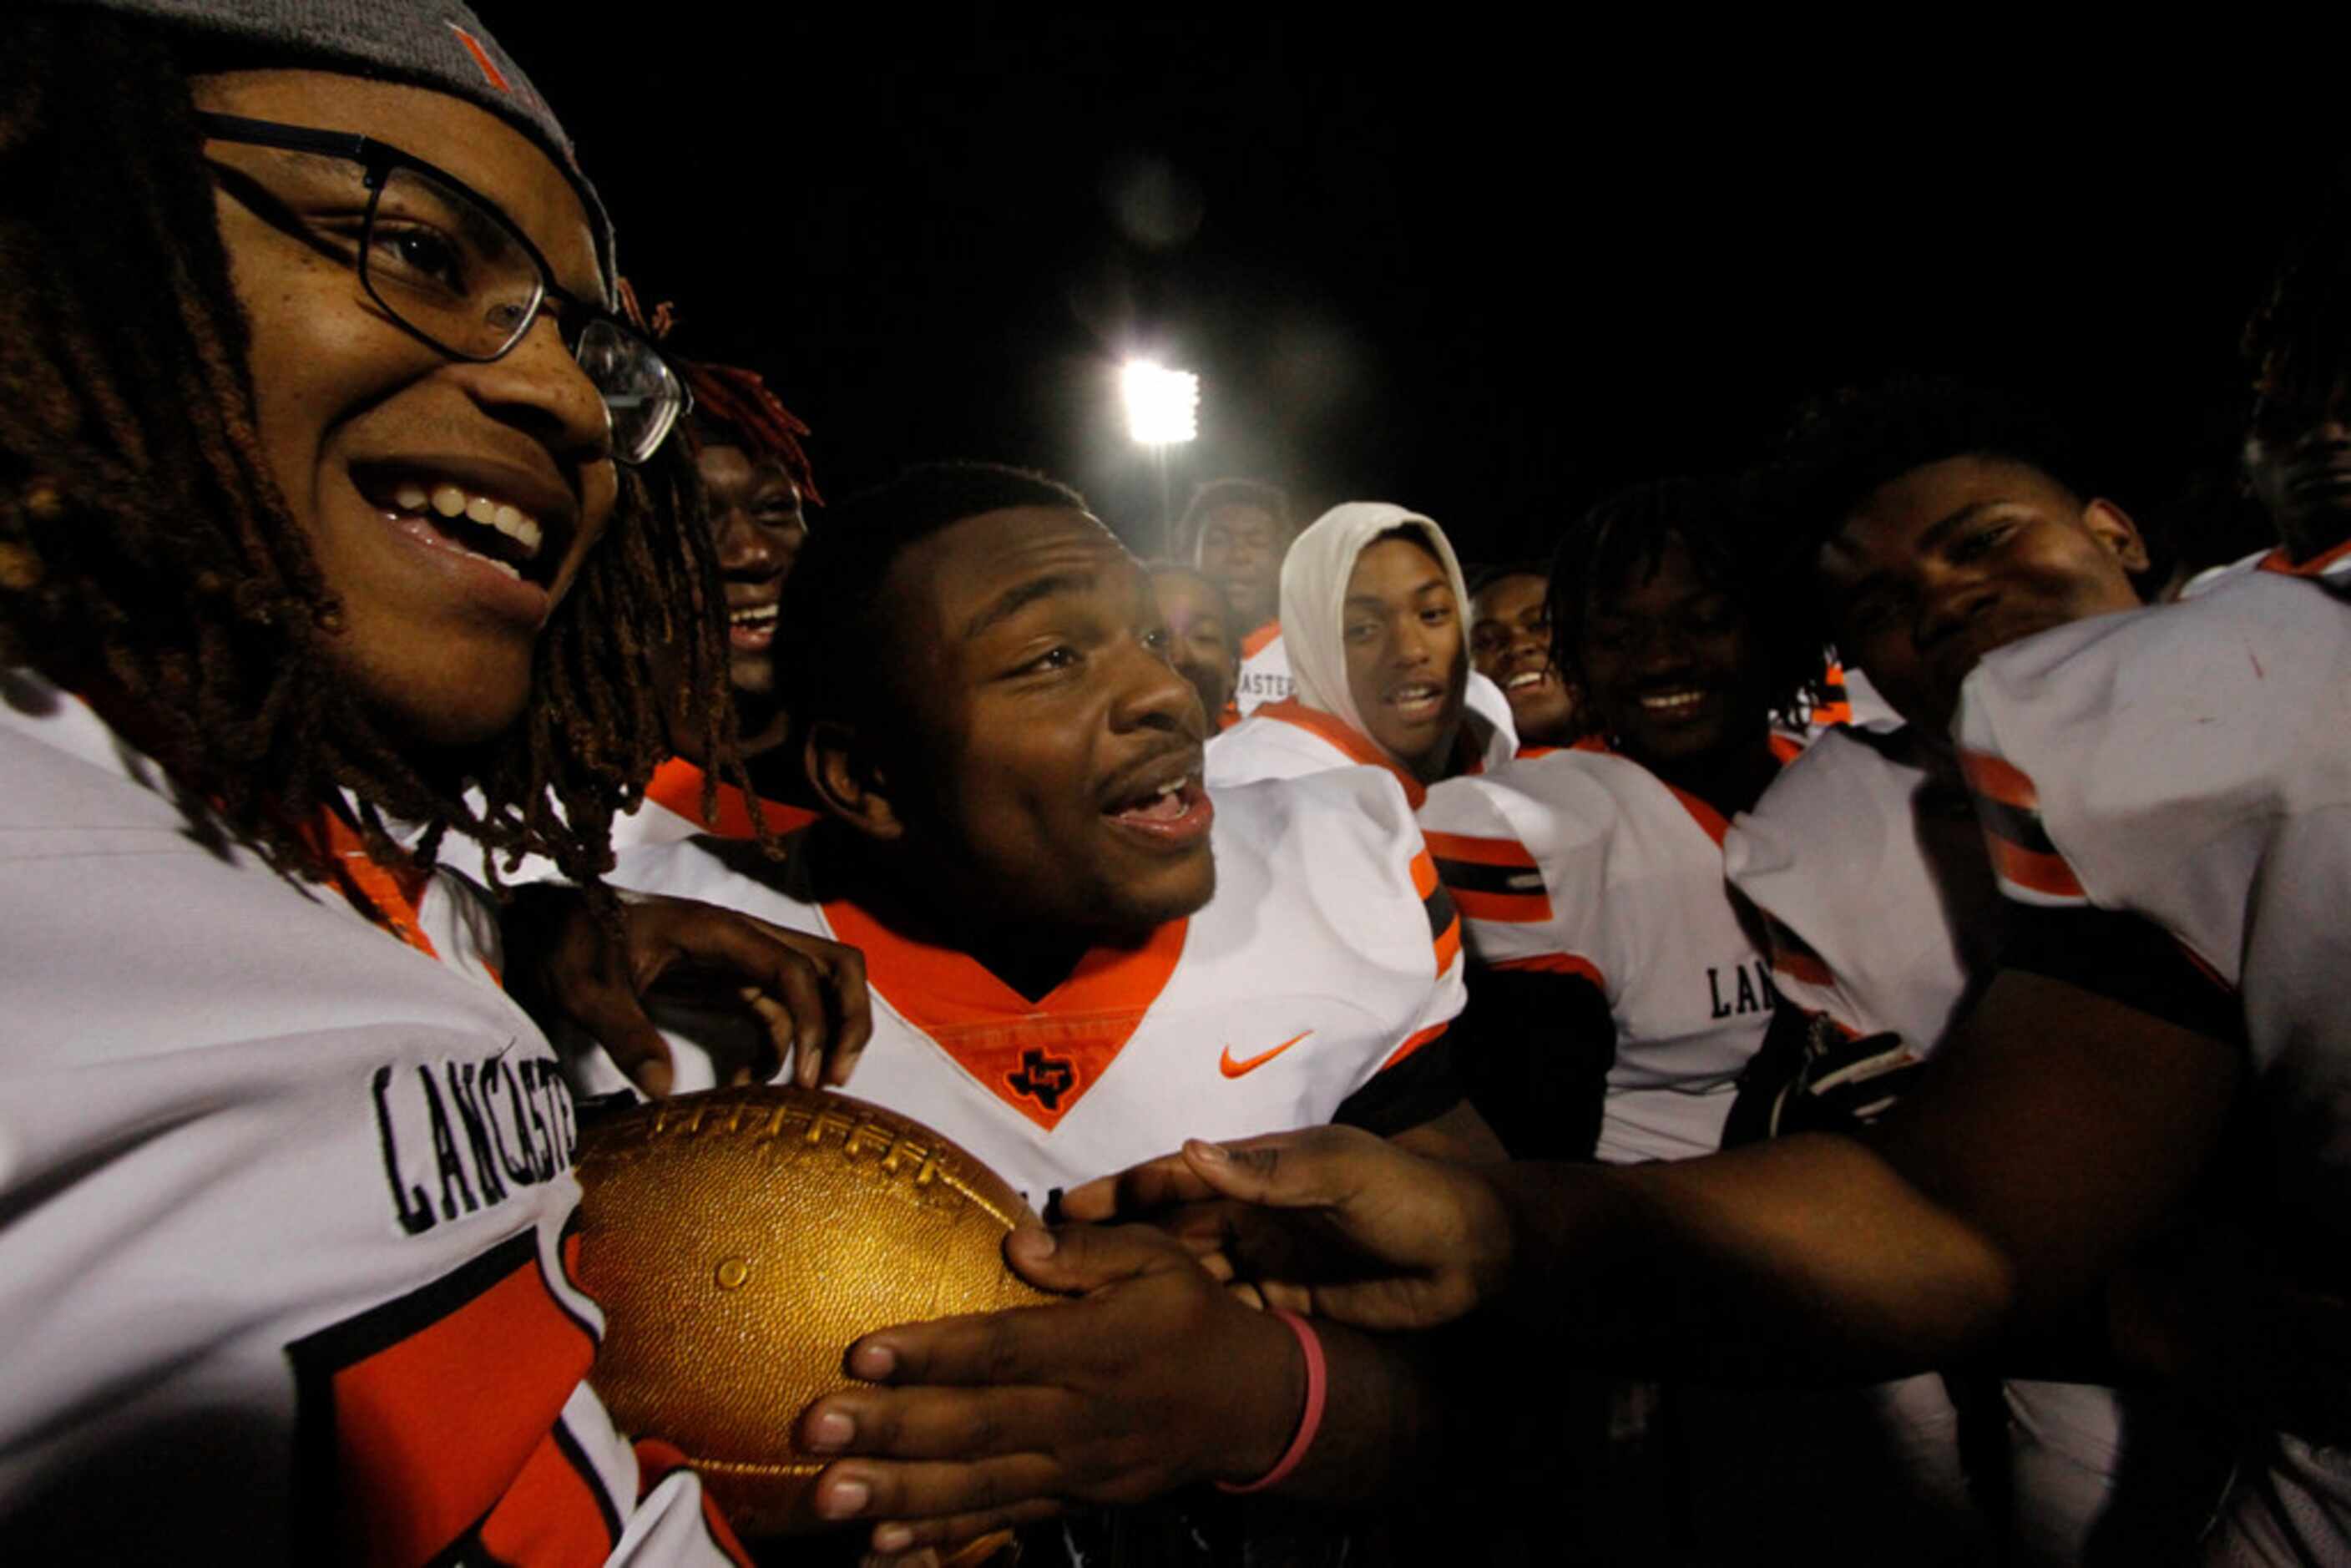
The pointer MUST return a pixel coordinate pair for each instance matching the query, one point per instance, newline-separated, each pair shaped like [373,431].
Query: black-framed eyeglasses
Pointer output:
[453,271]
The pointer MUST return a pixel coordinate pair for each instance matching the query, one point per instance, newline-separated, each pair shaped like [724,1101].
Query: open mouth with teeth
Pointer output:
[1527,681]
[1415,702]
[751,627]
[486,528]
[1174,812]
[1682,703]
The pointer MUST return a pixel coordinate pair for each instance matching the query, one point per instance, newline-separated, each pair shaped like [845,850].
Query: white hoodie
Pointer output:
[1280,742]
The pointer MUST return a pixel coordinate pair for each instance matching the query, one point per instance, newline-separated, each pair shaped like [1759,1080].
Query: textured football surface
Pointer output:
[739,1240]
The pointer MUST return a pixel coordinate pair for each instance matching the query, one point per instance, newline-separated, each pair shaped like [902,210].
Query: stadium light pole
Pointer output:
[1163,410]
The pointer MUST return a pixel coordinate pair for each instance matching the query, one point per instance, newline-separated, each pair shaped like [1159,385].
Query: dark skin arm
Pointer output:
[2057,1132]
[563,965]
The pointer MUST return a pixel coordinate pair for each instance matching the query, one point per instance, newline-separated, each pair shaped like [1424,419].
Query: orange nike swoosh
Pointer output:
[1232,1069]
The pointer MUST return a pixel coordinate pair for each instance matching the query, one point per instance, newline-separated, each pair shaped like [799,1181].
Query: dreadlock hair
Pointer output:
[2297,346]
[1623,537]
[1218,494]
[832,624]
[1848,443]
[149,561]
[733,407]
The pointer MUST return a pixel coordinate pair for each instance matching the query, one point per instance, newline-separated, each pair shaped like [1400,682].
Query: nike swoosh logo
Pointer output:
[1232,1069]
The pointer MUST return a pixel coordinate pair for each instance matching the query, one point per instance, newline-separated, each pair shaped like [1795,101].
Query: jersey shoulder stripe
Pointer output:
[1491,878]
[1444,921]
[2030,868]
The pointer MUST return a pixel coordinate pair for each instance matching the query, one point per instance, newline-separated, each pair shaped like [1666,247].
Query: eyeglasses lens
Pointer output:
[641,392]
[454,272]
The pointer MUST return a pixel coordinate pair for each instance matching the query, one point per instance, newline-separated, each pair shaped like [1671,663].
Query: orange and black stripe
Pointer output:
[1443,920]
[1492,879]
[2009,808]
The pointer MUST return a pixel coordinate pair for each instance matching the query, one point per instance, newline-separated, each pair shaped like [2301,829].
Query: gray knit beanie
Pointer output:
[436,44]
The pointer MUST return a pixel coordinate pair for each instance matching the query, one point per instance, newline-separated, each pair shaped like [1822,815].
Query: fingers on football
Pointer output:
[1076,1259]
[937,1422]
[1137,1190]
[813,999]
[1021,1344]
[610,1014]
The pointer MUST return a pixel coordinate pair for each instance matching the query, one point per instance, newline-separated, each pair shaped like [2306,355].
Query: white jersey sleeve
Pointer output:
[1871,872]
[1265,746]
[285,1266]
[2188,765]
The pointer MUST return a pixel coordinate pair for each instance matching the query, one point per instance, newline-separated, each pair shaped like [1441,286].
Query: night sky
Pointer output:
[1479,273]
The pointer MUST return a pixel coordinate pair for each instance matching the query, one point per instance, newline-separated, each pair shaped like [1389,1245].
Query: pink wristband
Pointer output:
[1309,1422]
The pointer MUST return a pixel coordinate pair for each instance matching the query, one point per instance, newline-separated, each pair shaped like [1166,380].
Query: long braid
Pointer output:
[148,559]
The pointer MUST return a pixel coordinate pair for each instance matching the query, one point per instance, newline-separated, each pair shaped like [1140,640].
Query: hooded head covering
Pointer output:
[1314,596]
[435,44]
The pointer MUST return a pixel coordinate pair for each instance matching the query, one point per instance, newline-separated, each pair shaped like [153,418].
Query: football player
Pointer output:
[1372,596]
[1590,879]
[1237,532]
[1064,930]
[1066,939]
[757,485]
[330,489]
[1510,643]
[1864,853]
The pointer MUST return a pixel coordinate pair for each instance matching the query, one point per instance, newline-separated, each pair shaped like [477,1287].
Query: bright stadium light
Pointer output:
[1163,406]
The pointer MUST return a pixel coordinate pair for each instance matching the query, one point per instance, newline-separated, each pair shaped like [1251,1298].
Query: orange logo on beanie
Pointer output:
[490,72]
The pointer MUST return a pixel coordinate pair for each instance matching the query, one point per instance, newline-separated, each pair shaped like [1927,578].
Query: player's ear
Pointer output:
[2112,527]
[849,779]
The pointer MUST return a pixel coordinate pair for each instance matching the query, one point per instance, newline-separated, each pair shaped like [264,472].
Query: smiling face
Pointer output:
[1408,668]
[1670,666]
[449,505]
[1062,751]
[1240,551]
[1510,641]
[757,527]
[1957,558]
[1201,637]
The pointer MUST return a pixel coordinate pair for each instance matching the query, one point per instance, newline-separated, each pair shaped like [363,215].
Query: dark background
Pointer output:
[1480,270]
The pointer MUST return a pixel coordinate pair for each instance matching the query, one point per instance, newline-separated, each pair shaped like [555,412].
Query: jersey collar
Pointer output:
[1040,1057]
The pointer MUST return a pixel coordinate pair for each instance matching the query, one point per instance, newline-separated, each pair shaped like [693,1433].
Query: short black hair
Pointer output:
[1485,576]
[831,628]
[1626,533]
[1849,443]
[1217,494]
[1844,445]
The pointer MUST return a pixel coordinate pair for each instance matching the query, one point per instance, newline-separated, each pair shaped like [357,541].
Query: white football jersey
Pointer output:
[1581,862]
[1287,740]
[1871,871]
[1329,957]
[2191,765]
[1265,671]
[283,1269]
